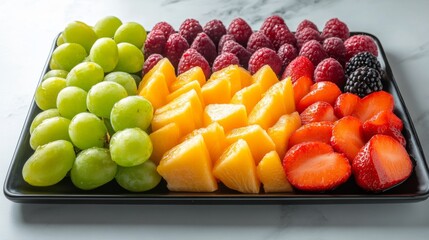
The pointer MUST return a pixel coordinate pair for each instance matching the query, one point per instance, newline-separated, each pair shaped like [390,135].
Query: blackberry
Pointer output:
[364,81]
[363,59]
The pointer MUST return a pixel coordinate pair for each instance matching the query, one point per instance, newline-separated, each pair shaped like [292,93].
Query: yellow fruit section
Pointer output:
[248,96]
[165,67]
[155,90]
[183,116]
[229,116]
[230,73]
[217,91]
[265,77]
[272,175]
[245,77]
[282,130]
[257,139]
[195,85]
[236,168]
[163,140]
[214,137]
[195,73]
[187,167]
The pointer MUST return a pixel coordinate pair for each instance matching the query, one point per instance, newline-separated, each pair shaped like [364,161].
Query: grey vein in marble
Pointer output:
[420,52]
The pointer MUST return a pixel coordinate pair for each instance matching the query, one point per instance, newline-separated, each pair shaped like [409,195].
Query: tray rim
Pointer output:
[187,198]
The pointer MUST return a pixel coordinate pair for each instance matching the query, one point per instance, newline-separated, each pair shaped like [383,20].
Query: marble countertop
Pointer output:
[28,28]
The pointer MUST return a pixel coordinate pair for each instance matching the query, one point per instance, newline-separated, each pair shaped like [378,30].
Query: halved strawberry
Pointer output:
[320,91]
[347,136]
[301,87]
[381,164]
[317,131]
[300,66]
[318,112]
[387,123]
[373,104]
[345,104]
[314,166]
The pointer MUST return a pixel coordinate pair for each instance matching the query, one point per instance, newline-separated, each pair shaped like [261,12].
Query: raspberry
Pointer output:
[363,81]
[265,56]
[240,30]
[313,50]
[191,58]
[164,27]
[155,43]
[306,35]
[362,59]
[335,28]
[258,40]
[174,48]
[270,23]
[330,69]
[205,46]
[223,40]
[287,53]
[224,60]
[334,47]
[306,24]
[150,62]
[360,43]
[283,35]
[300,66]
[242,54]
[189,29]
[215,29]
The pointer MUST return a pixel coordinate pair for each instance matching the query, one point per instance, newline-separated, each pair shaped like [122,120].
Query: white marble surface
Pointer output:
[27,29]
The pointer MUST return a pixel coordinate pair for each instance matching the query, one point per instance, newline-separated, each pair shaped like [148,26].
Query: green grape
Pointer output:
[107,26]
[87,130]
[104,52]
[131,58]
[139,178]
[53,112]
[79,32]
[131,32]
[85,75]
[71,101]
[60,40]
[125,79]
[51,129]
[137,79]
[49,164]
[56,73]
[67,55]
[92,168]
[103,96]
[47,92]
[130,112]
[130,147]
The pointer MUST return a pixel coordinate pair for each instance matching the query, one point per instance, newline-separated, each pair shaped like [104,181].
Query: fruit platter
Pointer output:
[217,114]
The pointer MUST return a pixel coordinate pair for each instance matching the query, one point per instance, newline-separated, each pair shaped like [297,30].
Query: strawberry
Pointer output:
[312,132]
[314,166]
[347,136]
[301,87]
[345,104]
[318,112]
[373,104]
[300,66]
[387,123]
[381,164]
[320,91]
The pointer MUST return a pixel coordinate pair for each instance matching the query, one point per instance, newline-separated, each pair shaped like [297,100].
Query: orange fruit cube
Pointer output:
[245,77]
[165,67]
[155,89]
[186,88]
[282,130]
[248,96]
[265,77]
[163,140]
[179,115]
[272,175]
[195,73]
[187,167]
[229,116]
[236,168]
[233,74]
[217,91]
[257,138]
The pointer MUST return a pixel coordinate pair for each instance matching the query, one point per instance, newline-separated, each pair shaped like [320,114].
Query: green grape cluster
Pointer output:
[92,127]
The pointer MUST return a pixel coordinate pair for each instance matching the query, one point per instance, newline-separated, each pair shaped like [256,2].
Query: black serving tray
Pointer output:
[415,188]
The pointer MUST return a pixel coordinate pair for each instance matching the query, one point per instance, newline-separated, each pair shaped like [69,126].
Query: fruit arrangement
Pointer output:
[212,105]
